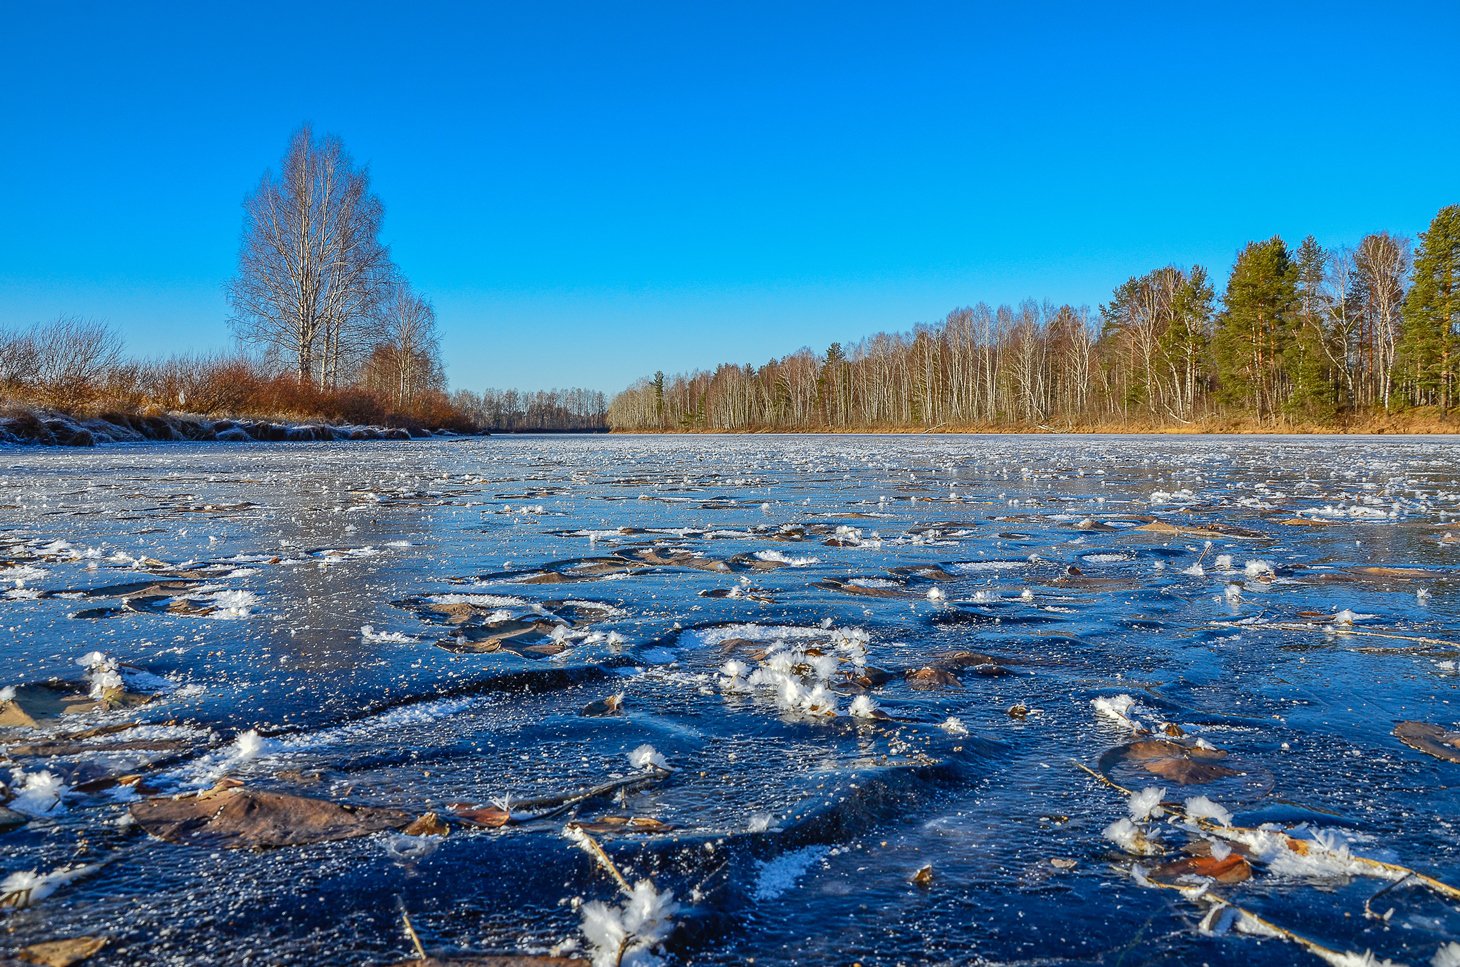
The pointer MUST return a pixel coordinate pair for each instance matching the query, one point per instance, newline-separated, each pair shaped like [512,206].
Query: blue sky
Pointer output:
[590,192]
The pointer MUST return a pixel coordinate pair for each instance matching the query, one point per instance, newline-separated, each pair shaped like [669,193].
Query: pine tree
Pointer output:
[1431,337]
[1306,357]
[1260,303]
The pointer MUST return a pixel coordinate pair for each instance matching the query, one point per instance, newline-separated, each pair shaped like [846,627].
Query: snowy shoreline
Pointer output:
[49,428]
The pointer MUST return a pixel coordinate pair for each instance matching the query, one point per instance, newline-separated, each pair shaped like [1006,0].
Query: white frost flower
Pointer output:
[626,935]
[37,793]
[1146,804]
[28,887]
[102,671]
[863,707]
[1447,956]
[1200,807]
[248,745]
[953,725]
[645,757]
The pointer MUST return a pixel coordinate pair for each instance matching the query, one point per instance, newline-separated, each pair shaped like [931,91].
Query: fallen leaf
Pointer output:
[611,705]
[1429,739]
[923,877]
[930,678]
[430,824]
[489,816]
[235,817]
[1233,868]
[1184,764]
[62,953]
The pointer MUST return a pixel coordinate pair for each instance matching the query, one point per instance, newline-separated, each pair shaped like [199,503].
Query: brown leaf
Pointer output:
[923,877]
[611,705]
[62,953]
[235,817]
[1429,739]
[488,816]
[930,678]
[1233,868]
[1184,764]
[429,824]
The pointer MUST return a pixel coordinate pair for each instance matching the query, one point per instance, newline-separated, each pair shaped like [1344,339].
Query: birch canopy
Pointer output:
[312,270]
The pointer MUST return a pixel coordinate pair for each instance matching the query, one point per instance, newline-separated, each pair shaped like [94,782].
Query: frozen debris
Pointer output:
[369,634]
[1345,618]
[627,935]
[1447,956]
[1429,739]
[1146,804]
[63,953]
[786,559]
[1259,570]
[29,887]
[1184,762]
[1131,838]
[1120,709]
[233,816]
[953,725]
[102,673]
[1226,868]
[1200,808]
[611,705]
[645,758]
[37,793]
[1224,917]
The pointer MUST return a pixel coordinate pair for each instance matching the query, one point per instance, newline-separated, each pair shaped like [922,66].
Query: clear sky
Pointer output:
[590,192]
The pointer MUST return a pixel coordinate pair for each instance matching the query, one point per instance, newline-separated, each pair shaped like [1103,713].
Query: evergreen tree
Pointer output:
[1260,305]
[1305,356]
[1431,336]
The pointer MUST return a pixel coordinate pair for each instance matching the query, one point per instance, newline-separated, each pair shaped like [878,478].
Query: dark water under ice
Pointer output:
[422,625]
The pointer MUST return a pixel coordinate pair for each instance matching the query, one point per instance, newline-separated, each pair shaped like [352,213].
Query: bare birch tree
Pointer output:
[311,267]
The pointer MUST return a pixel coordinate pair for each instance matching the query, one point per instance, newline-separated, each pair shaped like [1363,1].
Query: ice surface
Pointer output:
[907,644]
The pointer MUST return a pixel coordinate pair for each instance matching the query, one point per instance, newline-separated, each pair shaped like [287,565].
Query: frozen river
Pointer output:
[888,700]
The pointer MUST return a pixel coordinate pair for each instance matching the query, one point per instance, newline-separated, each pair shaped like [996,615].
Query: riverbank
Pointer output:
[30,427]
[1410,424]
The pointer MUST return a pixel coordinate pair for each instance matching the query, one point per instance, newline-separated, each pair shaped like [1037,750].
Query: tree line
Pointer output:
[1299,337]
[516,411]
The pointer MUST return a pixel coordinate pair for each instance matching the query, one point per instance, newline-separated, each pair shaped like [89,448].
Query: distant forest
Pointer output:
[1362,337]
[519,411]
